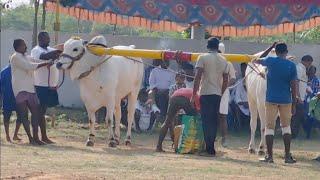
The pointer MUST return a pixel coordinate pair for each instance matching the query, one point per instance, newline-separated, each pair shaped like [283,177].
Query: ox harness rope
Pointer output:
[49,77]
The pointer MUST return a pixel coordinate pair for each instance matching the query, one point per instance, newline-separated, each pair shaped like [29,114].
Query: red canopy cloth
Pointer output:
[221,17]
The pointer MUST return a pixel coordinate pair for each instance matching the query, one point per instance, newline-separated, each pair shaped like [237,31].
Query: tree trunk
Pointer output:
[35,23]
[44,13]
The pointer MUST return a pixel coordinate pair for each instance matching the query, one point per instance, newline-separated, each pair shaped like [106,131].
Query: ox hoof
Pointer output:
[90,143]
[113,144]
[251,151]
[261,153]
[128,143]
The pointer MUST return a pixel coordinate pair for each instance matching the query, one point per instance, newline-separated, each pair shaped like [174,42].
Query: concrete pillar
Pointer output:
[198,32]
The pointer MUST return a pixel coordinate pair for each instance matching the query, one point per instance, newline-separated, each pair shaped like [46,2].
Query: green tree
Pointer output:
[186,34]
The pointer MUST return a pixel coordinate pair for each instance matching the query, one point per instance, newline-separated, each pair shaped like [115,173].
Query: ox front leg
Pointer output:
[110,121]
[92,120]
[132,99]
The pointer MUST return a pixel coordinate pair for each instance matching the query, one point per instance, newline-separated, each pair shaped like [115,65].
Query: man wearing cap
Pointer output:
[211,69]
[280,99]
[224,104]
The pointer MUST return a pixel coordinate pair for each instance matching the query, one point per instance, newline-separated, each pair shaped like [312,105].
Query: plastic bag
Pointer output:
[314,108]
[191,138]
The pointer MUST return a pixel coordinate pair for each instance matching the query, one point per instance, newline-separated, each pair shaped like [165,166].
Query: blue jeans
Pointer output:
[309,124]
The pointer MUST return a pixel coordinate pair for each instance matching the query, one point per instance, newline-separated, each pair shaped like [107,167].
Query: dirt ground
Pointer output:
[69,158]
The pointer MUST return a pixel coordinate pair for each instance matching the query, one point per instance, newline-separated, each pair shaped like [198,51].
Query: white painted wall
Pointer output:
[69,92]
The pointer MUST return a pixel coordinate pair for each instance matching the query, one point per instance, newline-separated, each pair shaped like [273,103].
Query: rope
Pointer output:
[49,77]
[173,71]
[240,81]
[85,74]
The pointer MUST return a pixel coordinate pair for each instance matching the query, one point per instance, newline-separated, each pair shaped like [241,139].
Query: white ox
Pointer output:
[257,89]
[103,82]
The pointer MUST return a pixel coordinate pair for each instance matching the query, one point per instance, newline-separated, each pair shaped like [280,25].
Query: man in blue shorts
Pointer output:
[46,79]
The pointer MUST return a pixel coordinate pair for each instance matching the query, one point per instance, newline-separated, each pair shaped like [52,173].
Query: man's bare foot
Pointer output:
[8,139]
[16,138]
[37,142]
[47,141]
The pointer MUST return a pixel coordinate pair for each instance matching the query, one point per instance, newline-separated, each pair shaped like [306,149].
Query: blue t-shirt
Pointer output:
[279,76]
[9,101]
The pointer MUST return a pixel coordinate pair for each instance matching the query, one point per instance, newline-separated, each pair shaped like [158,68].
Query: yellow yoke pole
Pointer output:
[161,55]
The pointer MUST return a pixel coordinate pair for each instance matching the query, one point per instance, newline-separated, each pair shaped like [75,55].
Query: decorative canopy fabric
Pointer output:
[221,17]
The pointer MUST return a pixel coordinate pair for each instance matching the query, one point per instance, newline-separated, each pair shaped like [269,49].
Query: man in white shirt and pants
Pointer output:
[224,104]
[160,81]
[46,80]
[299,116]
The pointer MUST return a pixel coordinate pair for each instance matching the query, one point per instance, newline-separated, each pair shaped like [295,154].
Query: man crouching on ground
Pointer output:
[180,99]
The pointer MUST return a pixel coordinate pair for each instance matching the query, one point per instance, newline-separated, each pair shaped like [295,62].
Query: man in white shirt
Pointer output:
[160,81]
[46,79]
[189,70]
[299,116]
[224,104]
[22,68]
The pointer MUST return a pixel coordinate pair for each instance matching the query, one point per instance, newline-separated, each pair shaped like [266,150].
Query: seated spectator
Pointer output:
[180,99]
[313,116]
[314,82]
[189,70]
[241,102]
[180,83]
[147,72]
[160,81]
[8,103]
[240,106]
[145,114]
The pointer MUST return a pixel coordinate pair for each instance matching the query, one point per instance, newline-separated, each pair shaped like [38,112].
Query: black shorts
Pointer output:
[47,96]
